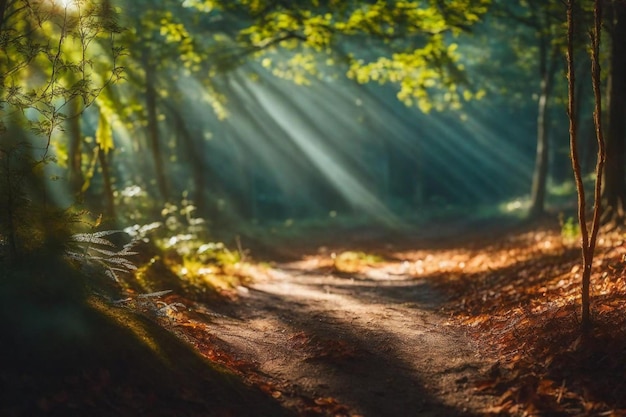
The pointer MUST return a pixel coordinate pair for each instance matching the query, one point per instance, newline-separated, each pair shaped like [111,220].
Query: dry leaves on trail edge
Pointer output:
[197,333]
[526,313]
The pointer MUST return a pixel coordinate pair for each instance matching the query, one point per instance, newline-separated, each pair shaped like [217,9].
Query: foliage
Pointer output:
[184,247]
[401,42]
[49,64]
[417,47]
[49,61]
[352,262]
[570,229]
[29,222]
[95,251]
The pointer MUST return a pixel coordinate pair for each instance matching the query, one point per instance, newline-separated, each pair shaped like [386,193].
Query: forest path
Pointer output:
[365,344]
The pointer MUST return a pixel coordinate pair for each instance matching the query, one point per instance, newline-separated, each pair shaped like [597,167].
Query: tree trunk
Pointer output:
[614,191]
[540,175]
[9,209]
[154,139]
[3,8]
[192,152]
[588,236]
[75,154]
[108,185]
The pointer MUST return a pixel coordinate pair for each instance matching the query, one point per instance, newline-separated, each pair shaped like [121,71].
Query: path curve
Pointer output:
[374,343]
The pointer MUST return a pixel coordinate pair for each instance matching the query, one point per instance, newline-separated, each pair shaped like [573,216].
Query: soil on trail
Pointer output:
[369,343]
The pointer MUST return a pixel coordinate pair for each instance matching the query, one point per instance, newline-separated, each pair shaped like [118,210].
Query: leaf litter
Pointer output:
[516,295]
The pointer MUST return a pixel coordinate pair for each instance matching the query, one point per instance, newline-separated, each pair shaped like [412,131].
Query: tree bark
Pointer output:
[4,4]
[75,155]
[588,236]
[9,209]
[108,185]
[614,190]
[194,155]
[580,189]
[154,139]
[547,68]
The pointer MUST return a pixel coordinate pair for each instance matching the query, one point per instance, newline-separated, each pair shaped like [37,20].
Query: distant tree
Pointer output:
[167,43]
[542,18]
[614,189]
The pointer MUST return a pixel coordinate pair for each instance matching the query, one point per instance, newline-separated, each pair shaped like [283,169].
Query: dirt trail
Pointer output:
[373,343]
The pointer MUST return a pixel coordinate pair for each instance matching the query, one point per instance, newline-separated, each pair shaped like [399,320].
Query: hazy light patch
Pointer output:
[500,136]
[67,4]
[454,148]
[505,156]
[339,146]
[347,122]
[465,154]
[517,205]
[56,186]
[126,147]
[308,139]
[249,151]
[341,127]
[265,138]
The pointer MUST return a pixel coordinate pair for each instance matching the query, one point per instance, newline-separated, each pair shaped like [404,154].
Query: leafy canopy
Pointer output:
[409,43]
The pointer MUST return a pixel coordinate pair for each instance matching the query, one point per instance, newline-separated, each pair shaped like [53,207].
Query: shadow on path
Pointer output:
[374,344]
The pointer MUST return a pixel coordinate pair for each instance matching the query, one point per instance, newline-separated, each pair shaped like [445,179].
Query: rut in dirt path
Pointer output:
[373,342]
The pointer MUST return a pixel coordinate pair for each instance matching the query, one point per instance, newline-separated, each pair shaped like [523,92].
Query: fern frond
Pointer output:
[99,252]
[113,260]
[91,239]
[155,294]
[120,270]
[109,273]
[75,255]
[105,233]
[104,251]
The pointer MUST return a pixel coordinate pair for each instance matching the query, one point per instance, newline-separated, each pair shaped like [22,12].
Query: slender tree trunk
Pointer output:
[588,236]
[108,185]
[614,190]
[3,8]
[9,209]
[571,78]
[75,154]
[196,162]
[154,139]
[597,196]
[588,149]
[540,175]
[75,137]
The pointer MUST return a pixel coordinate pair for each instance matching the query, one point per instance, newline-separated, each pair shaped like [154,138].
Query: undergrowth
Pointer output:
[353,262]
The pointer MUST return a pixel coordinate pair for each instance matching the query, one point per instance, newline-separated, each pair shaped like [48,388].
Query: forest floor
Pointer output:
[454,320]
[367,343]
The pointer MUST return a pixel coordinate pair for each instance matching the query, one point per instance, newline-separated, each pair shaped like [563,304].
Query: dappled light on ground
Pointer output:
[369,324]
[314,209]
[526,312]
[371,343]
[516,295]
